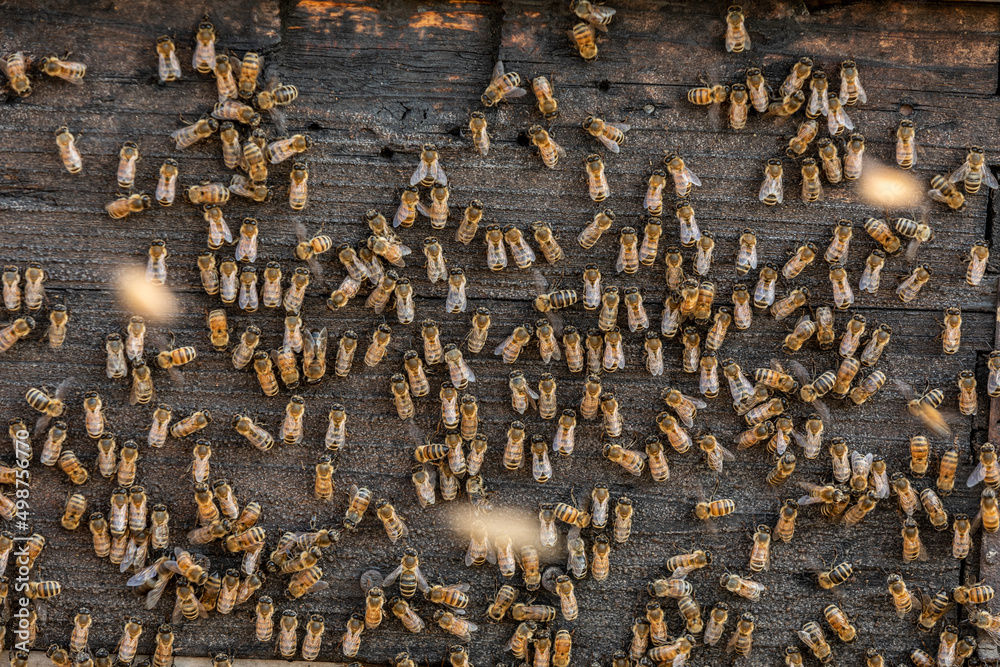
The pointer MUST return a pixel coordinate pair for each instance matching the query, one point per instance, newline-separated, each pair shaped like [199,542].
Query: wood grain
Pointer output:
[378,81]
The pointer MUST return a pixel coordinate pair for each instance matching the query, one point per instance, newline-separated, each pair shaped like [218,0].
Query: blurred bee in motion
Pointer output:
[480,136]
[502,86]
[683,177]
[771,191]
[598,16]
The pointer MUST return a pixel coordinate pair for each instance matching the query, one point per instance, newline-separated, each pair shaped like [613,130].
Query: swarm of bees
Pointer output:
[138,540]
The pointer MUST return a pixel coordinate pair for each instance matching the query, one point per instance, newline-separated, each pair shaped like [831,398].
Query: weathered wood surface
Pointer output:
[376,83]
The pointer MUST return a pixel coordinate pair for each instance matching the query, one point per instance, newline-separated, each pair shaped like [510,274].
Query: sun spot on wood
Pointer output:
[447,20]
[532,15]
[365,19]
[522,40]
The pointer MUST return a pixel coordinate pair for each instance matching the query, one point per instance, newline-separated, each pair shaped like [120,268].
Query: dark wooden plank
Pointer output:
[376,83]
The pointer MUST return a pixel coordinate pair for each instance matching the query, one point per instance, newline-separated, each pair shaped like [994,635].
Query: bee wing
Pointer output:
[911,249]
[516,92]
[421,581]
[959,174]
[498,71]
[988,178]
[936,195]
[419,174]
[934,420]
[469,375]
[824,106]
[799,371]
[245,297]
[315,588]
[978,475]
[822,410]
[423,210]
[726,454]
[393,576]
[154,595]
[497,352]
[143,575]
[178,616]
[439,175]
[610,144]
[696,402]
[862,95]
[691,177]
[732,642]
[280,120]
[40,425]
[227,233]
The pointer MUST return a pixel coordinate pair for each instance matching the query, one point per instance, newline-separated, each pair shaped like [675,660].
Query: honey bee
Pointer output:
[974,172]
[611,135]
[502,86]
[590,235]
[653,202]
[932,609]
[745,588]
[380,296]
[771,191]
[837,118]
[480,136]
[703,257]
[946,471]
[15,67]
[654,353]
[791,302]
[229,281]
[913,547]
[830,159]
[910,288]
[876,344]
[872,274]
[855,150]
[583,37]
[548,149]
[803,331]
[547,242]
[683,178]
[68,152]
[818,101]
[597,183]
[788,105]
[738,98]
[978,256]
[967,399]
[812,189]
[411,621]
[851,91]
[511,348]
[757,87]
[470,222]
[248,298]
[195,132]
[123,206]
[496,256]
[522,253]
[906,153]
[689,232]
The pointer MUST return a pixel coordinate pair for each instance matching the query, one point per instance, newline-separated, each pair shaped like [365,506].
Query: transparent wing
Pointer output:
[988,178]
[610,144]
[960,173]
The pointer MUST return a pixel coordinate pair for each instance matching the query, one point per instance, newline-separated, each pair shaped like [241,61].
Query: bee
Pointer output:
[738,98]
[654,353]
[232,150]
[797,77]
[225,82]
[496,256]
[451,623]
[597,183]
[855,150]
[195,132]
[703,258]
[229,281]
[541,471]
[851,91]
[742,639]
[653,202]
[788,105]
[771,191]
[11,288]
[683,178]
[123,206]
[68,152]
[790,303]
[978,256]
[296,291]
[480,136]
[812,636]
[613,424]
[530,571]
[548,149]
[832,167]
[511,348]
[913,547]
[689,234]
[623,520]
[910,288]
[818,97]
[803,331]
[906,154]
[583,37]
[502,86]
[967,399]
[15,67]
[757,86]
[946,471]
[286,632]
[276,95]
[812,189]
[934,509]
[609,134]
[401,610]
[522,253]
[837,118]
[974,172]
[438,210]
[751,590]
